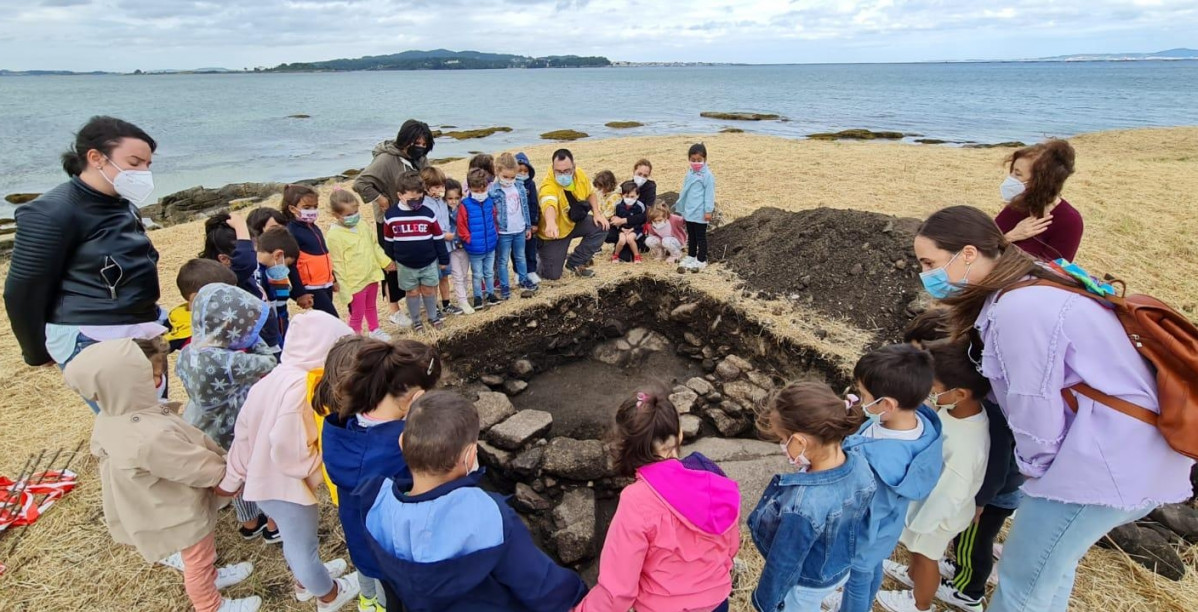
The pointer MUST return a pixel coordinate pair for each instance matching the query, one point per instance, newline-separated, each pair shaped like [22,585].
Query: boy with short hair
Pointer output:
[277,252]
[416,242]
[902,443]
[478,229]
[434,189]
[483,557]
[957,393]
[628,225]
[459,259]
[192,277]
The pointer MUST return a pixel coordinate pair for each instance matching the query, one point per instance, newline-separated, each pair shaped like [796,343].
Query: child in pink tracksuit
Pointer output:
[671,544]
[666,232]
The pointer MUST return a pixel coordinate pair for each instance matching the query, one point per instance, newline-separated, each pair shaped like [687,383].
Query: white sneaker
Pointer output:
[248,604]
[347,591]
[336,568]
[956,599]
[898,571]
[997,550]
[233,574]
[467,309]
[948,572]
[898,601]
[698,266]
[831,603]
[379,334]
[534,278]
[400,319]
[174,561]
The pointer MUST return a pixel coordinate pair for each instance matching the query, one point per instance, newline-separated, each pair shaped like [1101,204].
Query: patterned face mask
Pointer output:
[225,316]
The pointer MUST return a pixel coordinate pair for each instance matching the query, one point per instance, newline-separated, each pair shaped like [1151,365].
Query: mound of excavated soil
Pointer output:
[845,263]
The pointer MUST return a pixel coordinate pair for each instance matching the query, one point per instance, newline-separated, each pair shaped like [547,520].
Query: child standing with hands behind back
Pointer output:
[696,203]
[358,262]
[808,522]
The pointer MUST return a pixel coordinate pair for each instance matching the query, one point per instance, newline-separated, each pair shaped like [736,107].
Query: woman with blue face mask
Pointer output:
[83,269]
[1090,468]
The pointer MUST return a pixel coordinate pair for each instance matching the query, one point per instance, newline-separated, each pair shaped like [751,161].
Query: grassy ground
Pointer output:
[1135,189]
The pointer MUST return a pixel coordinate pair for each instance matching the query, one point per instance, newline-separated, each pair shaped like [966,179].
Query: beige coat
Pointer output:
[157,471]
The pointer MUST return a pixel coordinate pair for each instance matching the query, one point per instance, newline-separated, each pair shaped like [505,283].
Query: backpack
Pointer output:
[1169,342]
[578,209]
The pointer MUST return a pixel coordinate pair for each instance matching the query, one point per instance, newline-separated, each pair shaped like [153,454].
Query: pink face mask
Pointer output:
[697,166]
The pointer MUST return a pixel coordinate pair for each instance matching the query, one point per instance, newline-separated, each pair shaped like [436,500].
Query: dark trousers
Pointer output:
[974,550]
[696,240]
[553,252]
[390,282]
[531,246]
[322,299]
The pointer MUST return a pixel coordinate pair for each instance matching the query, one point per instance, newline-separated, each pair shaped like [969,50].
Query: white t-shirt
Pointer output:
[950,508]
[515,212]
[878,432]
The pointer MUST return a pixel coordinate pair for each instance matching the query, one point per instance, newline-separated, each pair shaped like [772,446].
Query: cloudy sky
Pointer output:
[123,35]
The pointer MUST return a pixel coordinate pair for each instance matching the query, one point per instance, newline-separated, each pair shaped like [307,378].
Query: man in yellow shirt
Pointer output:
[569,210]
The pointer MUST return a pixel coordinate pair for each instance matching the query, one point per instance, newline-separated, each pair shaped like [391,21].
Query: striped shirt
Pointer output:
[414,238]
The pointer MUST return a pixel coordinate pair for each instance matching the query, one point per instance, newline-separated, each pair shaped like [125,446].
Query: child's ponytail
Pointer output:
[383,369]
[645,425]
[337,366]
[219,238]
[811,408]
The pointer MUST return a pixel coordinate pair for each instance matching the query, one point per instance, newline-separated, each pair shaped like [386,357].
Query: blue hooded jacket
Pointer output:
[458,548]
[357,460]
[906,471]
[530,186]
[481,224]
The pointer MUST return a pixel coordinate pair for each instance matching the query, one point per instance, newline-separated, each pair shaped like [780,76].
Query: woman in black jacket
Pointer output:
[83,269]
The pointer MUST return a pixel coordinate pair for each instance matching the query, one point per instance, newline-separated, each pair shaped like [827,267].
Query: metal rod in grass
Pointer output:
[49,466]
[13,498]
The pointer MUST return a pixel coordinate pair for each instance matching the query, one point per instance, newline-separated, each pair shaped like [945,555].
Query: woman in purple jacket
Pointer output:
[1087,472]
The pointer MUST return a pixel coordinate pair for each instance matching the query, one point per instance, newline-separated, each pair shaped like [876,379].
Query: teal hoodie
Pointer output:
[906,471]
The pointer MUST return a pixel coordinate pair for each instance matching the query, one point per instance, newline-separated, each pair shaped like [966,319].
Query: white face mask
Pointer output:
[659,225]
[934,398]
[478,197]
[630,201]
[802,463]
[639,180]
[474,465]
[133,185]
[1010,188]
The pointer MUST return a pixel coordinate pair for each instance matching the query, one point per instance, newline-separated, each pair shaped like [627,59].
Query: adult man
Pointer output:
[569,210]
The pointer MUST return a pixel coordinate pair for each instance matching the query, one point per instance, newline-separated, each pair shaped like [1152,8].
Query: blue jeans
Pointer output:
[861,588]
[511,246]
[1040,556]
[81,342]
[482,268]
[802,599]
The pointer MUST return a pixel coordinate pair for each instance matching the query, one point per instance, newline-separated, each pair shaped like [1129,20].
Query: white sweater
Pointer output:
[950,506]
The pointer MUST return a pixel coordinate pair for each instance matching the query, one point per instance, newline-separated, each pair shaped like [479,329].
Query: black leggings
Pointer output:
[322,299]
[390,282]
[696,240]
[974,551]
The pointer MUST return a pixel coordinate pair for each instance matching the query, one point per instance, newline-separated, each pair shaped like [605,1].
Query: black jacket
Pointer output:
[80,258]
[1002,473]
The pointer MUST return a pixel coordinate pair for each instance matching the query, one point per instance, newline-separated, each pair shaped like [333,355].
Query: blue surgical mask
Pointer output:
[936,281]
[1010,188]
[351,220]
[874,419]
[522,177]
[565,180]
[278,272]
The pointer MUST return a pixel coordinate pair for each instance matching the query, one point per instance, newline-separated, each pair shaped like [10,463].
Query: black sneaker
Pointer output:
[479,304]
[438,324]
[505,296]
[492,299]
[271,537]
[580,271]
[453,309]
[255,531]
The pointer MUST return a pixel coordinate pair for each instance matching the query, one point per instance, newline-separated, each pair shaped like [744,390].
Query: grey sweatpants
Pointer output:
[552,255]
[297,526]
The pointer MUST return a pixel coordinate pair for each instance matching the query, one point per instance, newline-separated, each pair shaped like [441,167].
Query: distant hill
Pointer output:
[443,59]
[1171,54]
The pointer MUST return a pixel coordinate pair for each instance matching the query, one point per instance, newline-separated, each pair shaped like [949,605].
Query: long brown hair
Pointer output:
[957,227]
[1052,164]
[337,366]
[642,422]
[811,408]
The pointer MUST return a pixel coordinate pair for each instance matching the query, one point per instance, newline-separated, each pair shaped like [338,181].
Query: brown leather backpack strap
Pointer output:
[1136,412]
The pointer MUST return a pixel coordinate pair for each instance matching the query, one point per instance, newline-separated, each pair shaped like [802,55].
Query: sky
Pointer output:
[125,35]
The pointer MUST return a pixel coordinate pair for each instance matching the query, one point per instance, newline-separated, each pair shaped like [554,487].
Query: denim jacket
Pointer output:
[807,526]
[500,199]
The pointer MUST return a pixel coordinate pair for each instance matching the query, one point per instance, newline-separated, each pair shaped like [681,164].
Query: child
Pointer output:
[627,225]
[264,219]
[605,186]
[359,440]
[193,276]
[434,189]
[901,442]
[358,262]
[277,252]
[227,240]
[808,522]
[217,374]
[675,532]
[514,227]
[665,232]
[459,259]
[416,242]
[312,280]
[956,395]
[483,162]
[696,203]
[647,187]
[276,458]
[482,557]
[477,224]
[156,471]
[527,174]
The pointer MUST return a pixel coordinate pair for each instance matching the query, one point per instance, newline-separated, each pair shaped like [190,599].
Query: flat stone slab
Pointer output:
[493,409]
[575,459]
[522,428]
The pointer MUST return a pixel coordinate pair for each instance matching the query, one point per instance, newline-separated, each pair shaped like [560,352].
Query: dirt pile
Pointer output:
[845,263]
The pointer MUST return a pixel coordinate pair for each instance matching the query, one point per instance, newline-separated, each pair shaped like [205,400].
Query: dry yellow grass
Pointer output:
[1135,189]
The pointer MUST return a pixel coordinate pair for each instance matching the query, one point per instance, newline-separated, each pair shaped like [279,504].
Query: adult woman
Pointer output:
[83,269]
[1036,218]
[1088,471]
[377,184]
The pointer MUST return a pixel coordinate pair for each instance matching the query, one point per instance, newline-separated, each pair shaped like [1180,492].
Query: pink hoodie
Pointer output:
[677,227]
[671,544]
[275,452]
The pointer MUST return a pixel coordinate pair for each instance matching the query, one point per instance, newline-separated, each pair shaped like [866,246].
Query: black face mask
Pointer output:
[416,152]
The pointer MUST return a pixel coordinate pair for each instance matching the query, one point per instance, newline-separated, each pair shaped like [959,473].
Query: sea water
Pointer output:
[222,128]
